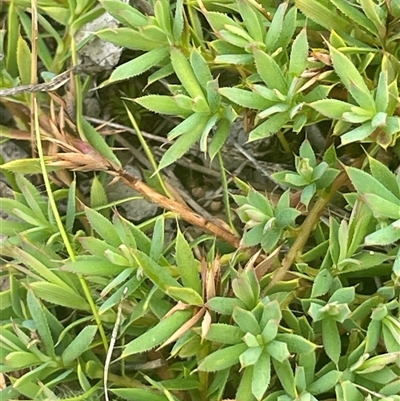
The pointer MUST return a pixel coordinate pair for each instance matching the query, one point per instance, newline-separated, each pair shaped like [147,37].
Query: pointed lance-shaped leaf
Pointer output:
[223,358]
[185,73]
[157,334]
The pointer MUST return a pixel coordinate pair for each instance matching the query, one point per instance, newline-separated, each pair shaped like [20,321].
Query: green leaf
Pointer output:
[382,92]
[220,136]
[288,28]
[218,20]
[5,299]
[21,360]
[306,152]
[178,22]
[162,104]
[285,375]
[33,375]
[261,202]
[250,356]
[98,196]
[185,73]
[96,247]
[32,197]
[127,38]
[138,394]
[372,11]
[156,273]
[157,334]
[180,384]
[235,59]
[37,313]
[93,266]
[103,227]
[331,339]
[390,333]
[308,362]
[299,54]
[382,207]
[224,305]
[269,127]
[331,108]
[157,75]
[296,343]
[382,376]
[189,124]
[307,194]
[346,390]
[343,295]
[79,345]
[322,283]
[40,268]
[162,14]
[352,80]
[366,184]
[71,207]
[355,15]
[243,290]
[246,321]
[154,33]
[182,145]
[270,72]
[188,266]
[251,100]
[186,295]
[131,285]
[200,68]
[357,134]
[24,68]
[322,15]
[98,143]
[278,350]
[384,176]
[29,218]
[124,13]
[325,383]
[206,131]
[213,97]
[385,236]
[270,330]
[157,240]
[261,375]
[277,108]
[300,379]
[59,295]
[222,359]
[235,36]
[139,64]
[224,333]
[253,20]
[13,207]
[29,166]
[275,28]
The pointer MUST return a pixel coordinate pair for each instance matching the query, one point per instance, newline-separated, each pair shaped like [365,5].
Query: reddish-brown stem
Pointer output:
[185,213]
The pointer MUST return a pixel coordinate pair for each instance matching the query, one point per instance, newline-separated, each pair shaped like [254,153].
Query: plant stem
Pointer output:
[174,206]
[307,227]
[224,183]
[61,228]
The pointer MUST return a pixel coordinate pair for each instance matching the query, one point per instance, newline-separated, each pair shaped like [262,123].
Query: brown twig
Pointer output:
[53,84]
[308,226]
[169,204]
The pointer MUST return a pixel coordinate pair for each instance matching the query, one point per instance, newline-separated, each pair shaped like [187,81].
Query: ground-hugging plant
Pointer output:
[304,306]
